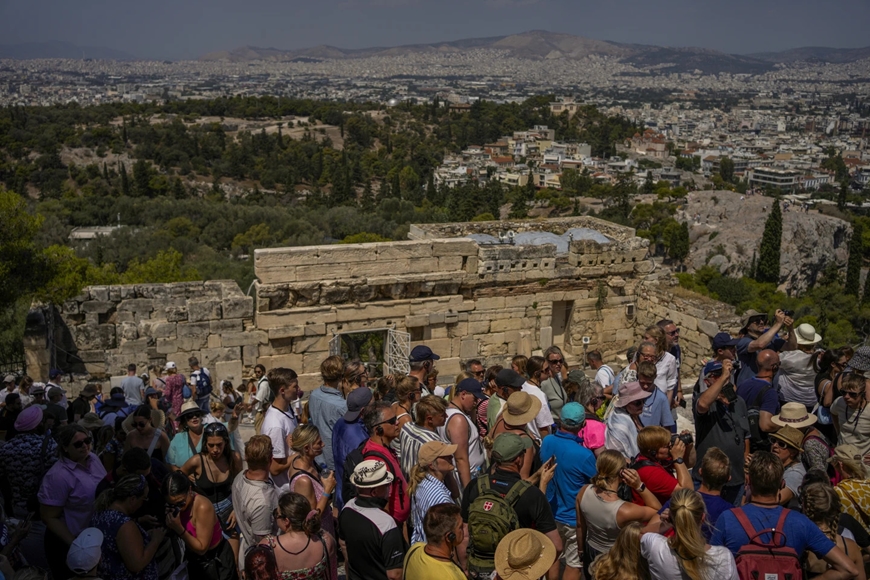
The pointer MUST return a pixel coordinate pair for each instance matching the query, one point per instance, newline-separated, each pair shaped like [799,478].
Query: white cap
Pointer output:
[170,365]
[85,552]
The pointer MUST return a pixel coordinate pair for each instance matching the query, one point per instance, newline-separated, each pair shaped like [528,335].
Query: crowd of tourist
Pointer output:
[520,471]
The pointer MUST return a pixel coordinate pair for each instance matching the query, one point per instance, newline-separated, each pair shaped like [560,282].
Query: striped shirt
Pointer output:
[430,492]
[411,439]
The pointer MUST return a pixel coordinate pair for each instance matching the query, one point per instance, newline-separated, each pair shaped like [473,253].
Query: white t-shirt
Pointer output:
[666,372]
[263,394]
[278,426]
[663,564]
[604,376]
[544,418]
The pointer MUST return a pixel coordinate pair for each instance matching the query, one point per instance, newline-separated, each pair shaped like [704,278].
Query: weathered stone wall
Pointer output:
[106,328]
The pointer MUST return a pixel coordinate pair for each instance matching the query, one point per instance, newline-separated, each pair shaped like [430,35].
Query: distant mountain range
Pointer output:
[30,50]
[541,45]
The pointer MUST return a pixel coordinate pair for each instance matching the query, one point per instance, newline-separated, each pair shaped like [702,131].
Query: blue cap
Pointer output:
[573,414]
[711,367]
[54,373]
[723,340]
[422,353]
[472,386]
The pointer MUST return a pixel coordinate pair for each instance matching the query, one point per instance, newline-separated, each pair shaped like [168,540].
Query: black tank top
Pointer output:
[215,492]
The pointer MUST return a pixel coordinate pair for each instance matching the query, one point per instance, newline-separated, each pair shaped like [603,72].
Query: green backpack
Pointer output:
[491,516]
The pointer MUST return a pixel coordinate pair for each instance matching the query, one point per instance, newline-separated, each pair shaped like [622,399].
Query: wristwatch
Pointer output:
[642,488]
[679,461]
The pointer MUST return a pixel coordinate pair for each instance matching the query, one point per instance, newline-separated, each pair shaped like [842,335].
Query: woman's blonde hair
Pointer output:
[520,361]
[608,465]
[658,336]
[852,468]
[303,436]
[406,388]
[688,543]
[651,439]
[821,504]
[417,475]
[623,561]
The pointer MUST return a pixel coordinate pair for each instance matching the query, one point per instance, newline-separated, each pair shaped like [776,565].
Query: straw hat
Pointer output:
[158,420]
[188,408]
[521,408]
[371,473]
[790,436]
[794,415]
[806,334]
[524,554]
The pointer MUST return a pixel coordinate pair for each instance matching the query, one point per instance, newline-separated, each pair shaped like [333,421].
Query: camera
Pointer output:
[686,438]
[789,313]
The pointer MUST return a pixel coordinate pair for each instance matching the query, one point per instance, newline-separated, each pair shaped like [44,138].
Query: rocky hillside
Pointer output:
[725,229]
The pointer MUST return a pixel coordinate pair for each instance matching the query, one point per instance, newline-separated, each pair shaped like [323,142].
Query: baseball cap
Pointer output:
[573,414]
[577,376]
[723,340]
[85,551]
[712,367]
[509,378]
[356,402]
[54,373]
[432,450]
[170,365]
[472,386]
[9,379]
[508,446]
[421,353]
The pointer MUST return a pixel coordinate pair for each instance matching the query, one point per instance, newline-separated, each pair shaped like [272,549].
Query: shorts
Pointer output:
[569,545]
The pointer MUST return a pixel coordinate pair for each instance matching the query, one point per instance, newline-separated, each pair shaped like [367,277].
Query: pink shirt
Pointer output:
[173,392]
[72,487]
[593,433]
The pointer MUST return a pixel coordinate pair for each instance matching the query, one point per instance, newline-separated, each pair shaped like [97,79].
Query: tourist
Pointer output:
[431,414]
[667,373]
[507,382]
[355,376]
[136,462]
[348,434]
[23,391]
[600,511]
[657,407]
[54,376]
[261,398]
[721,423]
[661,464]
[375,546]
[408,393]
[552,386]
[724,348]
[66,495]
[422,362]
[173,390]
[764,512]
[303,551]
[113,406]
[624,422]
[307,481]
[200,381]
[25,458]
[426,483]
[54,409]
[575,467]
[672,333]
[853,487]
[821,504]
[144,429]
[623,561]
[714,473]
[604,375]
[829,365]
[850,422]
[254,495]
[213,471]
[686,552]
[192,518]
[539,370]
[82,405]
[188,441]
[460,430]
[280,422]
[529,502]
[796,378]
[259,564]
[435,557]
[516,416]
[380,421]
[10,412]
[756,337]
[326,404]
[816,448]
[133,387]
[83,557]
[525,555]
[591,395]
[759,394]
[128,550]
[518,365]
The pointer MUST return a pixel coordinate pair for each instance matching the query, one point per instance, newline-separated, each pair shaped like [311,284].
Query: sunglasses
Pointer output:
[392,421]
[82,442]
[478,373]
[212,428]
[850,394]
[674,332]
[780,444]
[556,361]
[140,424]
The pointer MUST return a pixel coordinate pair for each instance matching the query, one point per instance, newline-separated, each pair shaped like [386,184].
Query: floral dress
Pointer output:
[319,571]
[112,565]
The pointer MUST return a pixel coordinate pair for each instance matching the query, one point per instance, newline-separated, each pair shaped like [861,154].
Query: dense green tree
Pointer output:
[767,269]
[726,169]
[843,195]
[853,269]
[679,246]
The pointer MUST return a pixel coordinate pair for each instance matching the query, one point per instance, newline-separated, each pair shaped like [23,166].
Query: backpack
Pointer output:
[758,439]
[491,516]
[203,383]
[354,458]
[623,491]
[767,560]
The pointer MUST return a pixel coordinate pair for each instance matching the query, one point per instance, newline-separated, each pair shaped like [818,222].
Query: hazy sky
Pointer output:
[179,29]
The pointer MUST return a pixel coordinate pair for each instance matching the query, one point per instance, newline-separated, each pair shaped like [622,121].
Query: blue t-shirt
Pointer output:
[575,466]
[800,533]
[715,506]
[657,410]
[748,366]
[749,390]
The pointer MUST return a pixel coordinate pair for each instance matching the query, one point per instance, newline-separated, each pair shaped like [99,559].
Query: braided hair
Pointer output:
[821,504]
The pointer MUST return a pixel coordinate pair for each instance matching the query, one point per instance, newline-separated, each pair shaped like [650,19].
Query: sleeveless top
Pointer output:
[600,516]
[319,571]
[112,564]
[214,492]
[216,535]
[476,455]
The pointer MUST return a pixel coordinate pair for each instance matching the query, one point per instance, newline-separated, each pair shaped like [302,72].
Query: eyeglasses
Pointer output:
[392,421]
[674,332]
[82,442]
[556,361]
[758,321]
[850,394]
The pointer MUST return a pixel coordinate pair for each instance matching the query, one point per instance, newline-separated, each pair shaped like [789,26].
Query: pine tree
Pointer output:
[767,269]
[105,171]
[841,199]
[679,247]
[431,192]
[124,131]
[125,181]
[853,269]
[367,201]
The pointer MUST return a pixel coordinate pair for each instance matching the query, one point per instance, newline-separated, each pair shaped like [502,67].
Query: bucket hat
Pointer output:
[521,408]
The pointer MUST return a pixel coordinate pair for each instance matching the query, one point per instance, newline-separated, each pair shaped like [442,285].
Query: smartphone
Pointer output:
[550,463]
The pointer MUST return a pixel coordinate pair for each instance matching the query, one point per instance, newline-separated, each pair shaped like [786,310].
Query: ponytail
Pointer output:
[311,525]
[300,514]
[688,543]
[127,487]
[417,475]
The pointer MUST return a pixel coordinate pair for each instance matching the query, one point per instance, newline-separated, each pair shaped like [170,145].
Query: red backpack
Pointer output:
[759,560]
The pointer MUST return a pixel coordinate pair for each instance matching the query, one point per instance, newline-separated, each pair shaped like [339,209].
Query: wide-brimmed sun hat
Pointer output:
[189,408]
[806,334]
[91,421]
[521,408]
[794,415]
[524,554]
[860,360]
[631,392]
[790,436]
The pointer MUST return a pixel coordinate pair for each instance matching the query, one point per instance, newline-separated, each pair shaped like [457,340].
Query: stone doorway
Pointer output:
[382,350]
[563,311]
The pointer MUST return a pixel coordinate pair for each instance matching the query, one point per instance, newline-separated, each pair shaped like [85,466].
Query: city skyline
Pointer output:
[189,29]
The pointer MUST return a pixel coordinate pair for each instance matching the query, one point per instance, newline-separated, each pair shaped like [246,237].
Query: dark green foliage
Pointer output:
[679,243]
[726,169]
[853,269]
[767,269]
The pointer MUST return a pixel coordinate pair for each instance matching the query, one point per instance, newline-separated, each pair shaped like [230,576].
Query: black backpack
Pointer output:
[623,491]
[354,458]
[758,439]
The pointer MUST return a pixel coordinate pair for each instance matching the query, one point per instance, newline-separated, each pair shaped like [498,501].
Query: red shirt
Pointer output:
[659,480]
[400,502]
